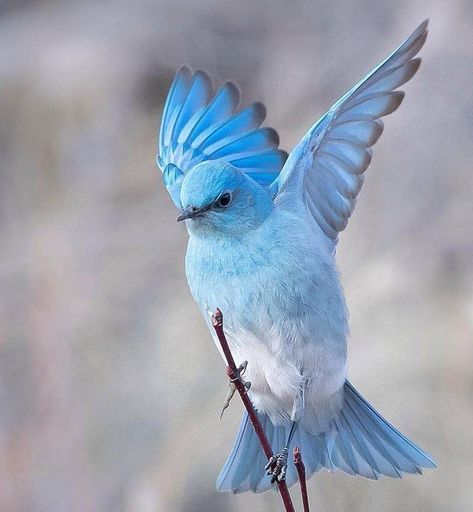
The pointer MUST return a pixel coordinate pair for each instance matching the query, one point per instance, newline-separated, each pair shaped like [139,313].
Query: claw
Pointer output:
[232,387]
[242,368]
[230,392]
[277,466]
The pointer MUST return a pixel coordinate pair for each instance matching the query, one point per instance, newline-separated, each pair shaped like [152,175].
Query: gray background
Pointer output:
[110,387]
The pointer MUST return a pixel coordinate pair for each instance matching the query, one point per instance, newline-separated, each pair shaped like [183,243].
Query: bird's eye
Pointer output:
[225,199]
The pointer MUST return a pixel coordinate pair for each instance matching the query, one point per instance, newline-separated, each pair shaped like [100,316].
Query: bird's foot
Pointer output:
[277,466]
[232,387]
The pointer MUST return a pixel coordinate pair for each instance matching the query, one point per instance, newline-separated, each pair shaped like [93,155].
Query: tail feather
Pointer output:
[347,449]
[246,451]
[359,442]
[402,453]
[365,463]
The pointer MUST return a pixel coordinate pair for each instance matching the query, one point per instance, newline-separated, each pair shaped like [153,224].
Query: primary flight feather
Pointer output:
[263,229]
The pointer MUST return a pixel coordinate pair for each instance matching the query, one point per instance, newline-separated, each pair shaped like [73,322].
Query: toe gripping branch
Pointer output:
[237,383]
[277,466]
[233,377]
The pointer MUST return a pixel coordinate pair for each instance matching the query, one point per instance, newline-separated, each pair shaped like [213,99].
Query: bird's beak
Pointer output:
[190,212]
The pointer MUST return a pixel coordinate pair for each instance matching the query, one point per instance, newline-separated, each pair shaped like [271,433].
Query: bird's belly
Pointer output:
[286,318]
[286,356]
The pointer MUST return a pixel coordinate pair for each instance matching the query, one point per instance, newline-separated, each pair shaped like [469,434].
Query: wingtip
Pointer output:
[260,110]
[272,136]
[232,87]
[233,91]
[284,156]
[183,75]
[424,24]
[184,70]
[204,78]
[421,32]
[421,29]
[414,43]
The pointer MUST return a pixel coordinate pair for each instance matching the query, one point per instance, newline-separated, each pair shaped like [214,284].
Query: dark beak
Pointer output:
[190,212]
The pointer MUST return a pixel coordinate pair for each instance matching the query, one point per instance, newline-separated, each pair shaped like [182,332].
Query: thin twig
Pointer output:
[301,472]
[232,372]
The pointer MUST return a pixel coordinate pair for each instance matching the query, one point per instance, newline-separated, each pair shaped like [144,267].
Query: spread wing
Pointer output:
[326,167]
[198,125]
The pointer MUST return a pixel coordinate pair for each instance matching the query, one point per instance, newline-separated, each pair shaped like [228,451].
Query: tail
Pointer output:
[360,442]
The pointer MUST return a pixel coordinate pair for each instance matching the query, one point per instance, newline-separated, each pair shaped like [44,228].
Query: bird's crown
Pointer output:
[209,180]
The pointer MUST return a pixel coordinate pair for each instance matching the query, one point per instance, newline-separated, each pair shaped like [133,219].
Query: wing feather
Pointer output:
[198,125]
[326,168]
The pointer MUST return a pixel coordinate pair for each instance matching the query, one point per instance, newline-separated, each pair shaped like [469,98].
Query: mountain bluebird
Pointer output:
[263,230]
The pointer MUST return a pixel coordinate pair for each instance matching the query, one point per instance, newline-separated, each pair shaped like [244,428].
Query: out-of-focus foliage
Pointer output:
[110,386]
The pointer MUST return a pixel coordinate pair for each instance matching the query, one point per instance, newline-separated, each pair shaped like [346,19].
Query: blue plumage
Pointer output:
[359,442]
[198,126]
[263,232]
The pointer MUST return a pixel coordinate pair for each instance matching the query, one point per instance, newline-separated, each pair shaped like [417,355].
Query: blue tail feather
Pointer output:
[359,442]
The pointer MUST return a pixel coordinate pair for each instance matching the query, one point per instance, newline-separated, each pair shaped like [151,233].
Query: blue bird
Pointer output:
[263,229]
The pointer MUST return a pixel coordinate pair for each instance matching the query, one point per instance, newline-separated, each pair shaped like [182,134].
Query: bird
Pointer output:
[263,229]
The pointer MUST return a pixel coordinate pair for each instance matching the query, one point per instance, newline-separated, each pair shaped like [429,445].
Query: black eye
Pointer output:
[225,199]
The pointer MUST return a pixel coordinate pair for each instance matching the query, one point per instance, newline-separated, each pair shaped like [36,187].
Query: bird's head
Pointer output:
[219,198]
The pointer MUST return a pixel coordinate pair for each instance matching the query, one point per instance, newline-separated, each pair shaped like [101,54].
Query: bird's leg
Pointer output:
[232,388]
[277,464]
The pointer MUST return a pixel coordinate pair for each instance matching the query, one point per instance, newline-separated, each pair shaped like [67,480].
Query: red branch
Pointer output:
[301,472]
[232,372]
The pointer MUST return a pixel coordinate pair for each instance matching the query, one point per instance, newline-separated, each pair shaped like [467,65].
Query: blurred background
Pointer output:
[110,385]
